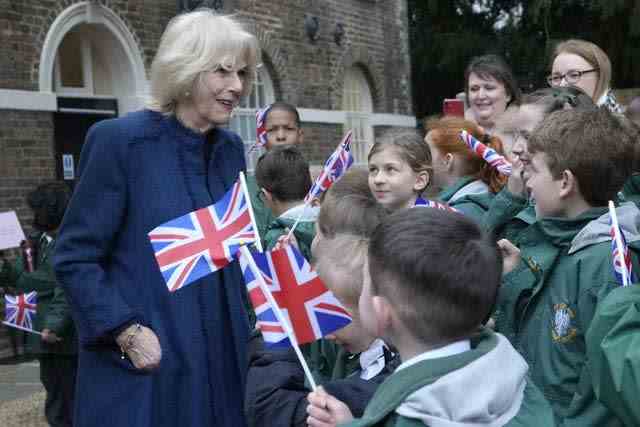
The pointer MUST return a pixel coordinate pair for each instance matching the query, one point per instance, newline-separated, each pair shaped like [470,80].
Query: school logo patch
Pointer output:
[563,330]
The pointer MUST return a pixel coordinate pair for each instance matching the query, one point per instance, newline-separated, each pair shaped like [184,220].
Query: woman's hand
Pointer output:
[325,410]
[141,346]
[50,337]
[510,255]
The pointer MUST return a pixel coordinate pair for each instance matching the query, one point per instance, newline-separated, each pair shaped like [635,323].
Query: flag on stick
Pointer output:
[622,267]
[261,128]
[20,311]
[199,243]
[307,306]
[335,166]
[490,155]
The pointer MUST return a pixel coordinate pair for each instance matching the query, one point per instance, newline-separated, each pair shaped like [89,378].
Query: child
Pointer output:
[510,211]
[431,279]
[282,123]
[578,162]
[398,172]
[276,390]
[283,178]
[56,349]
[467,181]
[613,352]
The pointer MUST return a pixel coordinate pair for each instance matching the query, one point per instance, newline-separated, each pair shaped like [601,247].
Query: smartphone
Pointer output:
[453,107]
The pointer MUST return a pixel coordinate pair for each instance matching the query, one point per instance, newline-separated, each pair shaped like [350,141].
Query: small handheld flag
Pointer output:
[20,311]
[426,203]
[199,243]
[622,267]
[490,155]
[307,305]
[335,166]
[261,128]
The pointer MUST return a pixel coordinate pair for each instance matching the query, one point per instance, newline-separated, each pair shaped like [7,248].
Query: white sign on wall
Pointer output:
[68,169]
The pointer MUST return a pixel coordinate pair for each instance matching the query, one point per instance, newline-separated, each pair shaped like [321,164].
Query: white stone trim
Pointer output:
[27,100]
[397,120]
[89,12]
[312,115]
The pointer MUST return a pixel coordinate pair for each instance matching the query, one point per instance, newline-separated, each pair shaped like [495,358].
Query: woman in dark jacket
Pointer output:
[149,357]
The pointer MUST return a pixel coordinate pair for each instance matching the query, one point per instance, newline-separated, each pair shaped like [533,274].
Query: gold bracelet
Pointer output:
[128,343]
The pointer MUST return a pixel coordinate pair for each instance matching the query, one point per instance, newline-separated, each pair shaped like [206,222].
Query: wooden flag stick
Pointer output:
[13,325]
[623,262]
[276,309]
[245,190]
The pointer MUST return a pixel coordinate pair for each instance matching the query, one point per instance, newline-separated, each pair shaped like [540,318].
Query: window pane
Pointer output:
[70,58]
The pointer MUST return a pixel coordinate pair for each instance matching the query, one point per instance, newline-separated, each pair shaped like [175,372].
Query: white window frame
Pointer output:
[244,118]
[357,103]
[87,72]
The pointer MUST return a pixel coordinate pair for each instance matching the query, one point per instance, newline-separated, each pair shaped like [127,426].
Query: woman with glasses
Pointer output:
[584,65]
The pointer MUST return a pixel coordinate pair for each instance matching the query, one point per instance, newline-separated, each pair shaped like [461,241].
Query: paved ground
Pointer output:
[21,394]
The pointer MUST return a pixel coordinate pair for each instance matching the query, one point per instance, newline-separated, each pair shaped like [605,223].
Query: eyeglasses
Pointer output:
[572,77]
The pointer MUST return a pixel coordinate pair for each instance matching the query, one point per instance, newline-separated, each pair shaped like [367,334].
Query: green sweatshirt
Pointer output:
[613,353]
[470,196]
[52,310]
[546,305]
[485,386]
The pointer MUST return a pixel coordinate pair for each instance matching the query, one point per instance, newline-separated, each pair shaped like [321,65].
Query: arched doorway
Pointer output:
[91,61]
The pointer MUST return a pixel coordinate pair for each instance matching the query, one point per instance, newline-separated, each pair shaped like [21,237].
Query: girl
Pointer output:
[398,171]
[468,182]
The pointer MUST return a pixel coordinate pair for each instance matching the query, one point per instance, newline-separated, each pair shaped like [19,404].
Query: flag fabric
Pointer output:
[21,309]
[622,267]
[490,155]
[426,203]
[305,302]
[261,127]
[201,242]
[335,166]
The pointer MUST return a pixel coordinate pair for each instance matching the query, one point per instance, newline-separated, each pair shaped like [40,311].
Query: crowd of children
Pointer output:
[505,312]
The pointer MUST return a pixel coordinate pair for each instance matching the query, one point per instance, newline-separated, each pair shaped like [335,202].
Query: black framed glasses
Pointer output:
[572,77]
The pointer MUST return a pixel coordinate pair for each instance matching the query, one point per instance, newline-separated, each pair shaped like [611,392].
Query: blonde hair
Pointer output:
[345,255]
[193,43]
[595,56]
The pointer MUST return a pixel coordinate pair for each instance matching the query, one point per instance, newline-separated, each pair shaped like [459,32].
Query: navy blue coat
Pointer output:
[136,173]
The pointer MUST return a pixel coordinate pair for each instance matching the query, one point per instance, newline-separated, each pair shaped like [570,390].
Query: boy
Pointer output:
[579,160]
[430,281]
[282,123]
[283,178]
[276,393]
[276,390]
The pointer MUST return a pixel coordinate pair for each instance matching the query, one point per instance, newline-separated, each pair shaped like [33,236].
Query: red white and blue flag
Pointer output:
[622,267]
[307,305]
[335,166]
[20,310]
[261,127]
[202,242]
[426,203]
[489,155]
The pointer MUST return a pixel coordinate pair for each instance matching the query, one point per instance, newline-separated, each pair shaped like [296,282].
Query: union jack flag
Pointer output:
[335,166]
[622,270]
[426,203]
[20,309]
[204,241]
[261,127]
[490,155]
[307,305]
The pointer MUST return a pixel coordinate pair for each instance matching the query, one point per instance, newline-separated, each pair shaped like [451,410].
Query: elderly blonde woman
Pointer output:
[149,357]
[583,64]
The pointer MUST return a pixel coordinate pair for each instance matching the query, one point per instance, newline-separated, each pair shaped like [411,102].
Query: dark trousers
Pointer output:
[58,376]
